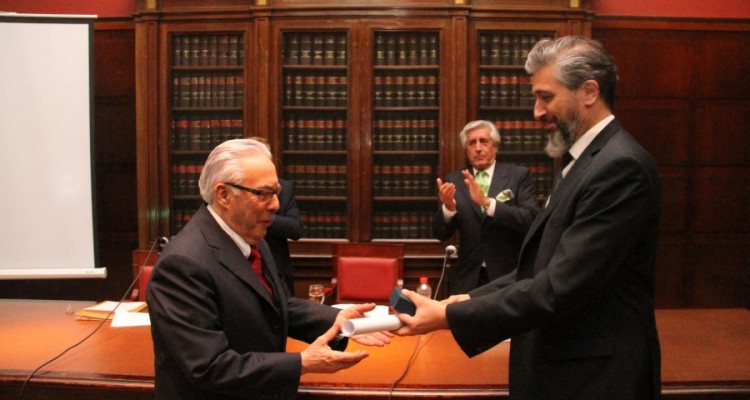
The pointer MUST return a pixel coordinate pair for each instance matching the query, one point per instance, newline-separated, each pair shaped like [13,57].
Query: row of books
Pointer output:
[193,132]
[386,225]
[542,171]
[184,178]
[506,48]
[405,142]
[405,132]
[316,89]
[521,134]
[505,89]
[208,89]
[324,223]
[207,50]
[403,224]
[407,48]
[414,88]
[302,48]
[182,213]
[317,179]
[394,180]
[333,223]
[319,134]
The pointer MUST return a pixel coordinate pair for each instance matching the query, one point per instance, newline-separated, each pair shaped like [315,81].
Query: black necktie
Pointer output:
[567,158]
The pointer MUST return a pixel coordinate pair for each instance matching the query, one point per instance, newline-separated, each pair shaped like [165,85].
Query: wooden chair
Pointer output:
[366,272]
[139,292]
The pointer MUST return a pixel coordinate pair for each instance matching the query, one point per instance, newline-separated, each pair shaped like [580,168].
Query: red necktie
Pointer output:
[258,269]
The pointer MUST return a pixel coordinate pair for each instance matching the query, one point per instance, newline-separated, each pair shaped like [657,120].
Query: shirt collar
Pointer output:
[584,141]
[489,169]
[238,240]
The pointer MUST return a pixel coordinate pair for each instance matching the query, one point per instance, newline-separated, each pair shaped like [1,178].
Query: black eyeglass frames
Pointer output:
[264,195]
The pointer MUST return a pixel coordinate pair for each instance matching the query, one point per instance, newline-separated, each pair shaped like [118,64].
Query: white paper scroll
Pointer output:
[361,326]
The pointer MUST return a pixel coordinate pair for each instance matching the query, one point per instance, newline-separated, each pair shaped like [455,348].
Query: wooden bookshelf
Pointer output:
[362,106]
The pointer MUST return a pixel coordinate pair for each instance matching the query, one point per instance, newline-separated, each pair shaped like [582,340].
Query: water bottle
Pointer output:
[424,287]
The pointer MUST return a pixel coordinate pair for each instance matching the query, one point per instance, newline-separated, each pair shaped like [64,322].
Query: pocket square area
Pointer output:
[505,195]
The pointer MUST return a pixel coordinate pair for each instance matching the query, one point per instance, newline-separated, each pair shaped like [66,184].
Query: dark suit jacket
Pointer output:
[286,225]
[581,313]
[217,332]
[495,240]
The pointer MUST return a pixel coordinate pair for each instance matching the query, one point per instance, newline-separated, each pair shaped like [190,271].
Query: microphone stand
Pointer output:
[449,250]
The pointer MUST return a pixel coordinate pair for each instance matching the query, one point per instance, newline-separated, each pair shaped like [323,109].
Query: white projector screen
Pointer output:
[47,226]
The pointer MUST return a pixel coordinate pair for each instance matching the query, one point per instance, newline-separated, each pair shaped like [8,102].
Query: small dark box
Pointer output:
[401,303]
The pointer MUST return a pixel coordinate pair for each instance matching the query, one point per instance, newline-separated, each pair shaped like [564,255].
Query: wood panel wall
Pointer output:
[685,95]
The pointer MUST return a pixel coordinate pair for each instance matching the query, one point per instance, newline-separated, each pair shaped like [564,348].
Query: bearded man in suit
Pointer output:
[580,309]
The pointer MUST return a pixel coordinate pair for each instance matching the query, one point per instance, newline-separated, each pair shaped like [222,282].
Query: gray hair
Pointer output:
[494,134]
[224,164]
[578,59]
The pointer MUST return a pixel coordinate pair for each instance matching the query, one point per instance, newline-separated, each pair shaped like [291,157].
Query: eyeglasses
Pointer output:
[264,195]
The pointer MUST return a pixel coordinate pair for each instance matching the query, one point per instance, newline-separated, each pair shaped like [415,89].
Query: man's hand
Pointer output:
[447,194]
[379,339]
[430,316]
[475,191]
[456,298]
[318,357]
[355,311]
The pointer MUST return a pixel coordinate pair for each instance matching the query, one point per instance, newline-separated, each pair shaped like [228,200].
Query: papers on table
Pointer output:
[125,319]
[125,313]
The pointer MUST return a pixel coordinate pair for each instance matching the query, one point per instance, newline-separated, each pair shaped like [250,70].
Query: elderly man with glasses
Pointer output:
[220,312]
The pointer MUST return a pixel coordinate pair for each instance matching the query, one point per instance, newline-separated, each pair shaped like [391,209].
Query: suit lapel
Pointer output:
[499,181]
[230,256]
[578,168]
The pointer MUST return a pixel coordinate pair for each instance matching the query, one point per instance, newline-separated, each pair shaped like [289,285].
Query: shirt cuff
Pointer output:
[448,214]
[490,210]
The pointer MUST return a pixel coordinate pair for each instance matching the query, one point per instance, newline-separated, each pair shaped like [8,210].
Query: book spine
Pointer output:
[305,50]
[317,50]
[329,50]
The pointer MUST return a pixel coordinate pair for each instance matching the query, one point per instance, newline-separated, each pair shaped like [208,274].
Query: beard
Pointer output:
[558,143]
[562,138]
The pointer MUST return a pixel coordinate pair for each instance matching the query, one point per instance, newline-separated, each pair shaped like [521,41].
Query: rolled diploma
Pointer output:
[361,326]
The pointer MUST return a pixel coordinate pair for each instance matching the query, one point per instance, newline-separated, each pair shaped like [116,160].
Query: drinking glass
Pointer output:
[316,293]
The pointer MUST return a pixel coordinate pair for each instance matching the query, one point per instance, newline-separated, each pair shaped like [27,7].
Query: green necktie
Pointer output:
[483,179]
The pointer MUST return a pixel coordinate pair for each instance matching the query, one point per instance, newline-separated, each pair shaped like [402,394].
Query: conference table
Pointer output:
[705,355]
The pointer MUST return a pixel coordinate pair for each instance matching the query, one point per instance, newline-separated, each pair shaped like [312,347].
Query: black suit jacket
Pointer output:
[286,225]
[581,313]
[217,332]
[494,240]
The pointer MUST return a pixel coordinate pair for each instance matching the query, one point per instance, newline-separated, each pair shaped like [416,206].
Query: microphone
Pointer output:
[161,242]
[449,251]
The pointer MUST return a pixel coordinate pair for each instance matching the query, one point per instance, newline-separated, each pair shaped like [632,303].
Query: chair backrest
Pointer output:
[367,272]
[143,281]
